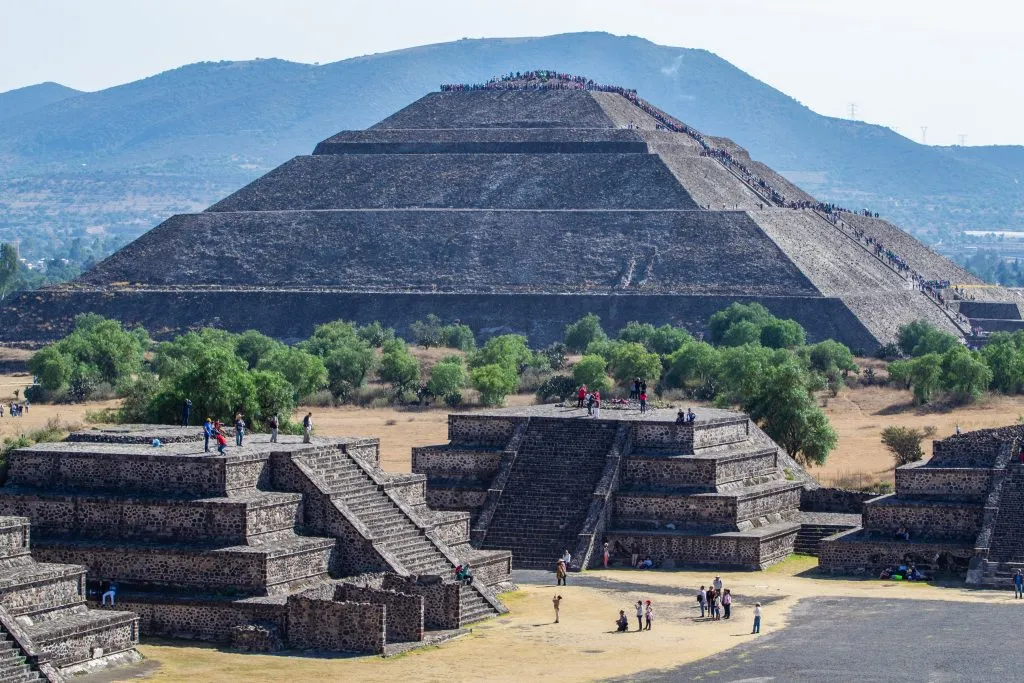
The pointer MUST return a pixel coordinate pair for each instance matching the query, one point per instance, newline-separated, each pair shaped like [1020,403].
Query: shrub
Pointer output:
[920,338]
[590,371]
[494,382]
[427,332]
[454,399]
[253,347]
[447,377]
[558,387]
[904,444]
[532,379]
[349,364]
[375,334]
[508,350]
[632,360]
[398,367]
[581,333]
[458,337]
[304,371]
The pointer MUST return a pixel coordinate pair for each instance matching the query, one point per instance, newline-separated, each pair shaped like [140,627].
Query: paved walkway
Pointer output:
[869,640]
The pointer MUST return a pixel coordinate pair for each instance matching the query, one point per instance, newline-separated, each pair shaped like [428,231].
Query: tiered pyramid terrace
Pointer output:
[519,207]
[207,546]
[715,492]
[963,509]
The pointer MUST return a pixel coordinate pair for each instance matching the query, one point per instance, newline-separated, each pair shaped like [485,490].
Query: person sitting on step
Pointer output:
[111,593]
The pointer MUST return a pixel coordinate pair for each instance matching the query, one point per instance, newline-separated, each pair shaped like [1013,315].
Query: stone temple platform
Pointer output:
[269,545]
[544,479]
[963,509]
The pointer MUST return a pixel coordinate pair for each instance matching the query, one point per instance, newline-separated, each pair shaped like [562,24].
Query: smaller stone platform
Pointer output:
[543,479]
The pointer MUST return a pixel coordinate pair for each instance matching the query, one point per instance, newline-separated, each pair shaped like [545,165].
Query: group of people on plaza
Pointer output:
[591,400]
[216,431]
[14,409]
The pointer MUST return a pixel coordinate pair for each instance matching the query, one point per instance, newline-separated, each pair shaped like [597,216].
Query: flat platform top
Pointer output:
[255,446]
[612,413]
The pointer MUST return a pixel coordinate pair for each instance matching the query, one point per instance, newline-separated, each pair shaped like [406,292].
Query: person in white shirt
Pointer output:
[757,618]
[567,558]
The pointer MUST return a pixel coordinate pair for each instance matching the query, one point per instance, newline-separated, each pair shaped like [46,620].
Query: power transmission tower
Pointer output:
[853,111]
[924,135]
[963,139]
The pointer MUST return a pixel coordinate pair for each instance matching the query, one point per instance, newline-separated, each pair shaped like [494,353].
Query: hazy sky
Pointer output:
[951,66]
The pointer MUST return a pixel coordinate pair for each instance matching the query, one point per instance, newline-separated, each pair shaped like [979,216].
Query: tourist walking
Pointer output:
[186,411]
[718,606]
[597,405]
[643,402]
[717,583]
[649,614]
[557,602]
[757,618]
[275,423]
[727,603]
[639,615]
[207,433]
[307,428]
[560,572]
[702,600]
[1018,585]
[604,554]
[222,441]
[239,429]
[590,403]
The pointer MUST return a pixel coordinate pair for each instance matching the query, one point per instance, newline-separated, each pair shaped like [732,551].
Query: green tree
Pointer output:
[581,333]
[720,322]
[175,357]
[447,377]
[782,334]
[304,371]
[742,333]
[661,340]
[375,334]
[830,355]
[217,381]
[590,370]
[52,368]
[494,382]
[921,337]
[427,332]
[785,409]
[965,373]
[328,337]
[101,349]
[904,444]
[693,362]
[632,359]
[1006,361]
[398,367]
[458,337]
[252,347]
[349,365]
[274,395]
[508,350]
[923,375]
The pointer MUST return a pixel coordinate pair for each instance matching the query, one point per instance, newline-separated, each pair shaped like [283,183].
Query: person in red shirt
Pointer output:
[581,395]
[643,402]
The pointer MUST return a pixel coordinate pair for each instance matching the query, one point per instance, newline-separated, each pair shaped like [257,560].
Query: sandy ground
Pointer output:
[526,645]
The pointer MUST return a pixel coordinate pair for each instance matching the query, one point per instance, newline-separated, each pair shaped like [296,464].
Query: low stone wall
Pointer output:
[663,436]
[949,482]
[749,465]
[70,645]
[467,499]
[481,430]
[932,519]
[408,488]
[834,500]
[210,620]
[720,432]
[454,462]
[403,615]
[57,587]
[767,503]
[718,551]
[655,470]
[453,529]
[855,552]
[315,623]
[492,567]
[634,507]
[441,605]
[15,533]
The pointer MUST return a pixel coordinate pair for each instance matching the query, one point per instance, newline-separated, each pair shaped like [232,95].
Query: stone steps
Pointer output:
[34,588]
[808,539]
[71,639]
[14,666]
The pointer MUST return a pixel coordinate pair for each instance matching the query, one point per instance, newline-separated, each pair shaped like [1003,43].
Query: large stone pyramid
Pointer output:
[516,206]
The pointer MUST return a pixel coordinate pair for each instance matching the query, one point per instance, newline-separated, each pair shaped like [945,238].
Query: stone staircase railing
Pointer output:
[36,659]
[983,543]
[508,458]
[429,533]
[600,507]
[952,318]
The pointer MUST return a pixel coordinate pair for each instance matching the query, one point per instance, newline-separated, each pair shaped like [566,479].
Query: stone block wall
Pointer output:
[720,432]
[452,528]
[778,501]
[675,509]
[14,539]
[924,518]
[469,499]
[640,470]
[403,615]
[748,465]
[479,464]
[663,436]
[854,552]
[481,430]
[834,500]
[954,483]
[69,645]
[58,587]
[719,551]
[441,604]
[316,623]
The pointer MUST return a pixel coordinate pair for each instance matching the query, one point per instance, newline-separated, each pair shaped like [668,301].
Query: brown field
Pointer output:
[526,645]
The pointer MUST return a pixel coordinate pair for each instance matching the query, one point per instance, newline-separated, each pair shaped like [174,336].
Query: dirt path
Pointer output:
[527,645]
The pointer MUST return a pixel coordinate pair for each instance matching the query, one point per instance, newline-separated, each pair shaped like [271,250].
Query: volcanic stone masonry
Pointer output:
[963,509]
[715,492]
[517,210]
[267,546]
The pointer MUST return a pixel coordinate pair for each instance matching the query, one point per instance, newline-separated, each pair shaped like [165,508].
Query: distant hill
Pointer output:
[121,159]
[23,100]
